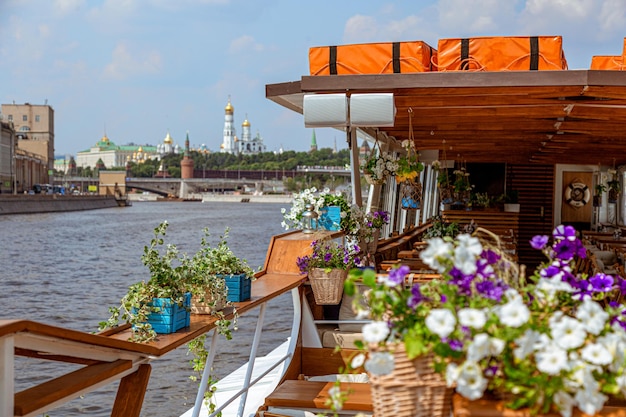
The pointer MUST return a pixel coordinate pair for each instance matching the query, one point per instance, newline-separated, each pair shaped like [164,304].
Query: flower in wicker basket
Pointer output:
[379,166]
[553,344]
[327,268]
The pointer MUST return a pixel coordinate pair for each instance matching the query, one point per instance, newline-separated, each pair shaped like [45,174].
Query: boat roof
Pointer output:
[518,117]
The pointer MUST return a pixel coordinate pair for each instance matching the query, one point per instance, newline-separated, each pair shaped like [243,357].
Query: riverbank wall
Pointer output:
[29,204]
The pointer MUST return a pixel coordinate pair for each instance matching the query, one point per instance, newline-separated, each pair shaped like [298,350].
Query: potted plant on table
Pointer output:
[165,297]
[552,344]
[333,209]
[221,262]
[327,268]
[162,304]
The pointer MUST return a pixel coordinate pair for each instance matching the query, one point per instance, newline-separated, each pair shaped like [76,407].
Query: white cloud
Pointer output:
[475,16]
[360,29]
[126,63]
[245,43]
[63,7]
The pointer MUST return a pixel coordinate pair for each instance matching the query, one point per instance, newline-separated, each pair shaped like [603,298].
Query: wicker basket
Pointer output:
[372,181]
[413,389]
[327,286]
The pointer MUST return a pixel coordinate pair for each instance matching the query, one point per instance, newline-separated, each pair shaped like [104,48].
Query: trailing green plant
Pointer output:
[200,354]
[441,228]
[168,272]
[600,189]
[220,260]
[172,275]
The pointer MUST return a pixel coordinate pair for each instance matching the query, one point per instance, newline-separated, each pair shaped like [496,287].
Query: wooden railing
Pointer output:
[109,356]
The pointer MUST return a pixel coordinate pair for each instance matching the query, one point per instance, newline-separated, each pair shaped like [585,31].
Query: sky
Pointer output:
[138,69]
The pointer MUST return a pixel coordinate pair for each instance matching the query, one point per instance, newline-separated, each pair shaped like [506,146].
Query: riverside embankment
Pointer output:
[44,203]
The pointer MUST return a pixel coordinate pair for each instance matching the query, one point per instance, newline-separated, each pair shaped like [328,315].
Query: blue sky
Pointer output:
[141,68]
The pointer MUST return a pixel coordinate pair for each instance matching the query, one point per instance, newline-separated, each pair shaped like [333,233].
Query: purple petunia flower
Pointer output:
[396,275]
[564,232]
[328,257]
[601,282]
[491,290]
[539,242]
[416,296]
[565,249]
[490,256]
[455,345]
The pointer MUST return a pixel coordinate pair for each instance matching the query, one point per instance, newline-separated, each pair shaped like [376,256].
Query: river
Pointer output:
[67,269]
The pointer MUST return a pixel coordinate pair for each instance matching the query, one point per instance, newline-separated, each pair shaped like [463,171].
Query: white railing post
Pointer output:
[250,368]
[7,376]
[205,375]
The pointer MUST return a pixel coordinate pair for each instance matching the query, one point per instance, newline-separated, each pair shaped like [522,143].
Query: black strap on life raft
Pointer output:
[396,57]
[332,60]
[534,53]
[464,54]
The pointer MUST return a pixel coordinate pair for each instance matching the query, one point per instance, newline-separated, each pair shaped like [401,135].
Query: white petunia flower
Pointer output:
[478,348]
[436,250]
[564,402]
[514,313]
[590,402]
[465,253]
[441,322]
[357,361]
[375,332]
[568,333]
[525,344]
[472,317]
[471,384]
[380,363]
[596,354]
[592,316]
[552,360]
[453,371]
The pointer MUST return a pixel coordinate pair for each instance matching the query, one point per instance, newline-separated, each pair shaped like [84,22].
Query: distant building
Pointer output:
[34,130]
[313,142]
[112,155]
[19,169]
[247,145]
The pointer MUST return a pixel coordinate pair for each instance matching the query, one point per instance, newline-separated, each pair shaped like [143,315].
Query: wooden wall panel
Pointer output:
[535,186]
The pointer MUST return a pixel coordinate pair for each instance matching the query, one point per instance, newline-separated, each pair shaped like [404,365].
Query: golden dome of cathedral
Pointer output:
[229,107]
[168,139]
[246,123]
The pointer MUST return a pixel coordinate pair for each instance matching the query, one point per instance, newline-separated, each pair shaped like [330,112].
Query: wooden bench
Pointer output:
[313,395]
[388,249]
[503,224]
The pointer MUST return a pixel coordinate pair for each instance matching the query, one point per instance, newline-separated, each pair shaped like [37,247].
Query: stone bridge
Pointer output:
[176,187]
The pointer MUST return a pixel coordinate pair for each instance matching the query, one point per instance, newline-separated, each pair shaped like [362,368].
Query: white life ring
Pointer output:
[577,194]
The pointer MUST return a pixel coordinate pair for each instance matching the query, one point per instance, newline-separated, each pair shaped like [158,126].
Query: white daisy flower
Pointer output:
[471,384]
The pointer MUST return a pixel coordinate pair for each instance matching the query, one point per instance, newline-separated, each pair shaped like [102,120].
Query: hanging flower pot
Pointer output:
[410,195]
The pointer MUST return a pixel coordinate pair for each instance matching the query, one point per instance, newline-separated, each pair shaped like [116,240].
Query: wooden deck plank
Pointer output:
[42,395]
[313,394]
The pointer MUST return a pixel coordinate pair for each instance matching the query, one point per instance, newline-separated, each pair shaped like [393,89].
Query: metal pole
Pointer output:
[253,350]
[205,375]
